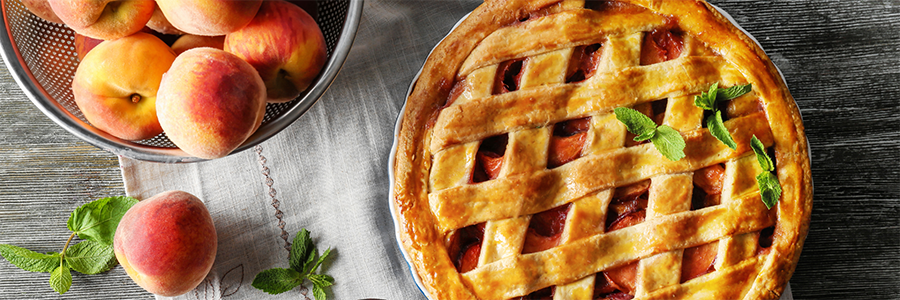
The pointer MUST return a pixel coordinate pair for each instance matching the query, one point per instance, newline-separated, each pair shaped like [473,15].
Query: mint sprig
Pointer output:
[95,223]
[769,187]
[667,140]
[303,260]
[709,101]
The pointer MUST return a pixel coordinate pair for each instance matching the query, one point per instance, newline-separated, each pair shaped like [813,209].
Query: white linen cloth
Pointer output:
[327,172]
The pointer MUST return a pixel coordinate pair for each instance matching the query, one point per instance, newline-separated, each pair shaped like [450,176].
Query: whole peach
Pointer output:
[167,243]
[104,19]
[210,102]
[190,41]
[286,47]
[116,84]
[160,24]
[41,8]
[209,17]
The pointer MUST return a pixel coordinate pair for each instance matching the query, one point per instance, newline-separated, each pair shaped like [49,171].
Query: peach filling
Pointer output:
[583,63]
[542,294]
[698,260]
[765,240]
[567,141]
[489,158]
[509,74]
[707,186]
[661,45]
[465,247]
[627,208]
[545,229]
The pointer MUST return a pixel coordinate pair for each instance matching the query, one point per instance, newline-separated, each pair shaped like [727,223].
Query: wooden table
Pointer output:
[841,62]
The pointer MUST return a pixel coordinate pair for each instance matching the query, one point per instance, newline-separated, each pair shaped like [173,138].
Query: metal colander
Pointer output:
[41,57]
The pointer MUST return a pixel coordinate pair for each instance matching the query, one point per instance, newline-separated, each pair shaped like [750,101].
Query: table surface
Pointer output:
[840,59]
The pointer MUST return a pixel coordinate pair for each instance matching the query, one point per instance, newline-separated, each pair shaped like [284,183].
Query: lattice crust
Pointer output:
[455,113]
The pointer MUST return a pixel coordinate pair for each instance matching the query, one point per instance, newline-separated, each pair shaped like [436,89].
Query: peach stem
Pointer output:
[135,98]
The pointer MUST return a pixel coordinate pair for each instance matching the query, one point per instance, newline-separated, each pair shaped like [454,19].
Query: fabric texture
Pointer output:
[327,172]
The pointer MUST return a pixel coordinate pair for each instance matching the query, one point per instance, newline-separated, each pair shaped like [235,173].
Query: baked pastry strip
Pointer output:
[519,275]
[532,193]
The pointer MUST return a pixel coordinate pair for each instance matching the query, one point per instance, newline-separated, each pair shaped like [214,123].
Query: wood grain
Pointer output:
[45,173]
[841,64]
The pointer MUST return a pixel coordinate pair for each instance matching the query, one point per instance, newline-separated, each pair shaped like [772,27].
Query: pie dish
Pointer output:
[514,179]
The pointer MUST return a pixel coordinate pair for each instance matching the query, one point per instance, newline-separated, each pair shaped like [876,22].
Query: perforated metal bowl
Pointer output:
[41,57]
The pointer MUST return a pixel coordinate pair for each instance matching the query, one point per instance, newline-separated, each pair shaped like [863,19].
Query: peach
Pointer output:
[41,8]
[209,17]
[104,19]
[84,44]
[210,102]
[286,47]
[116,84]
[190,41]
[167,243]
[160,24]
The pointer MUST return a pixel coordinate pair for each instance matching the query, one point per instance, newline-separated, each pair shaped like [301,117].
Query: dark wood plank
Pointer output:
[45,173]
[840,60]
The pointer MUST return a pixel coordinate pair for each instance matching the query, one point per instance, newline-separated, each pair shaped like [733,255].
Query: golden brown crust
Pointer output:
[432,196]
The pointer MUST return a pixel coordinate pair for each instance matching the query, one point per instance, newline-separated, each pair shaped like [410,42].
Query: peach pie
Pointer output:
[518,174]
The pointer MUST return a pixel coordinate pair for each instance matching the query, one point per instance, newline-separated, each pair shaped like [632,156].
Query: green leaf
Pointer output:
[301,249]
[636,122]
[645,136]
[707,100]
[97,220]
[61,279]
[276,281]
[733,92]
[669,143]
[765,162]
[319,262]
[321,280]
[769,188]
[29,260]
[717,129]
[91,257]
[319,292]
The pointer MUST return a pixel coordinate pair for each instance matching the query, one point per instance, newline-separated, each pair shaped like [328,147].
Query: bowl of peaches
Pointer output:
[176,80]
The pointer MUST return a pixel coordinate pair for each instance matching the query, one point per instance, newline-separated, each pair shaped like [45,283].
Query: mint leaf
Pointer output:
[29,260]
[765,162]
[636,122]
[321,280]
[276,281]
[61,279]
[733,92]
[707,100]
[91,257]
[769,188]
[303,265]
[717,129]
[319,292]
[319,262]
[666,139]
[97,220]
[645,136]
[301,249]
[669,143]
